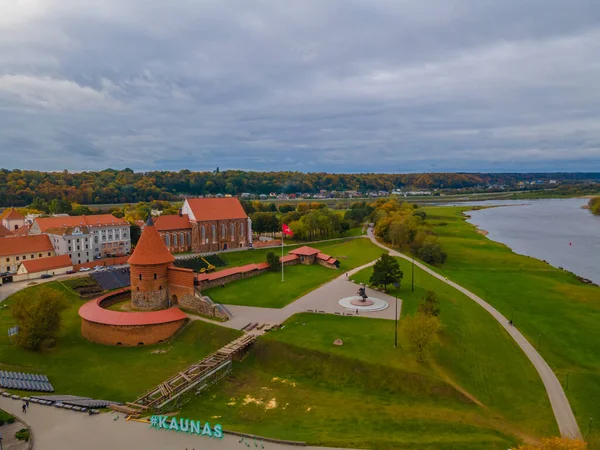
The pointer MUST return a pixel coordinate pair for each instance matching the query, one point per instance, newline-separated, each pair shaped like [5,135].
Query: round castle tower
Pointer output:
[148,268]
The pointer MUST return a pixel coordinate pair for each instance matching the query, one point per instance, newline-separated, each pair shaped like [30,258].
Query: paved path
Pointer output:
[56,429]
[560,404]
[324,298]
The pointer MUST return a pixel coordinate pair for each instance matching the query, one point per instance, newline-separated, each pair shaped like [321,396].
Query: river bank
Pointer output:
[557,313]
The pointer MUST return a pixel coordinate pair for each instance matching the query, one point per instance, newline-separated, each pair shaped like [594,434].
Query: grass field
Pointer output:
[76,366]
[549,306]
[476,390]
[268,291]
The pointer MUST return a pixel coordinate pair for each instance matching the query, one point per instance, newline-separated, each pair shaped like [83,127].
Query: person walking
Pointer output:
[24,408]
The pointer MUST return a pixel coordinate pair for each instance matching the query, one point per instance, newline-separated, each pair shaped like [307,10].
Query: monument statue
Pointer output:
[362,292]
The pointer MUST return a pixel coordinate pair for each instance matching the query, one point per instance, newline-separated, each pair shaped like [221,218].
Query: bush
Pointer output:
[273,261]
[10,420]
[1,422]
[432,253]
[22,435]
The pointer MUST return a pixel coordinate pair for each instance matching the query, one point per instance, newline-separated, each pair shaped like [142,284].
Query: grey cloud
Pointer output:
[343,85]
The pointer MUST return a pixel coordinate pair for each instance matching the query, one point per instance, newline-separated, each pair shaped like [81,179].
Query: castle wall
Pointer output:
[129,336]
[219,240]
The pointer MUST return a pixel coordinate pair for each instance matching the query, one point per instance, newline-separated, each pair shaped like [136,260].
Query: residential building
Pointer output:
[12,219]
[4,232]
[75,242]
[110,235]
[217,224]
[15,250]
[54,265]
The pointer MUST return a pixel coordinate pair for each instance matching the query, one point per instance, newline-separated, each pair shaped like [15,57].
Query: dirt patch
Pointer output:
[483,232]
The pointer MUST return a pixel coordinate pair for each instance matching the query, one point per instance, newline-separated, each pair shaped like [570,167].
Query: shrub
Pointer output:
[22,435]
[273,261]
[432,253]
[10,420]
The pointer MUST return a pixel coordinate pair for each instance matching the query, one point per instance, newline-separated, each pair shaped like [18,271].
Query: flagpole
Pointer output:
[282,253]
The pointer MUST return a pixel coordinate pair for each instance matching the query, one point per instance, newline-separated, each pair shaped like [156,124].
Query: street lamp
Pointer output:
[412,278]
[396,286]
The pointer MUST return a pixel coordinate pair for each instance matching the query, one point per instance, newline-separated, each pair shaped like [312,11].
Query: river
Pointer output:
[558,231]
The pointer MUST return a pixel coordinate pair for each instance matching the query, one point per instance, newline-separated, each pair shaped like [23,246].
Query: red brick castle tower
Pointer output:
[149,270]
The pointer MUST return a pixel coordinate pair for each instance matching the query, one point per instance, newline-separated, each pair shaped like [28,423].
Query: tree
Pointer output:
[286,208]
[135,232]
[555,443]
[386,271]
[431,252]
[429,305]
[595,205]
[273,261]
[421,331]
[38,317]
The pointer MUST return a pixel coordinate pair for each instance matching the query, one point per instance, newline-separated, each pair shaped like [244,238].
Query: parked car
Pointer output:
[85,269]
[70,271]
[46,275]
[98,257]
[98,268]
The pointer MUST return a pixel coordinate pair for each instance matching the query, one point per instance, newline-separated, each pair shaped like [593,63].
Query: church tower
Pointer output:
[149,270]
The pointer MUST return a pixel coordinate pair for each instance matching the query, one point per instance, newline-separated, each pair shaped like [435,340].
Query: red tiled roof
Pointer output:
[75,221]
[43,264]
[150,249]
[11,214]
[304,251]
[93,312]
[25,244]
[205,209]
[231,271]
[323,256]
[288,258]
[172,222]
[4,231]
[331,261]
[22,231]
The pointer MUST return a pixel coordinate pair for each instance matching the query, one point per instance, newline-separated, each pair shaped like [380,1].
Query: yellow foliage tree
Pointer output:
[556,443]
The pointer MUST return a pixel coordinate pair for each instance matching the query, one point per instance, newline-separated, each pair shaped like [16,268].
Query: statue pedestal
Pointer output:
[360,302]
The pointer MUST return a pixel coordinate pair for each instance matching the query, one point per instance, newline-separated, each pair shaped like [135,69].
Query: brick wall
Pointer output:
[149,286]
[128,336]
[222,240]
[230,278]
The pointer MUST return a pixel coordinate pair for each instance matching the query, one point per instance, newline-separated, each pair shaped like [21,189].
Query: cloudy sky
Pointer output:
[333,85]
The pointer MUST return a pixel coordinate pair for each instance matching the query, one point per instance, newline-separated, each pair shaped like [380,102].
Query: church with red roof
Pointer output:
[206,225]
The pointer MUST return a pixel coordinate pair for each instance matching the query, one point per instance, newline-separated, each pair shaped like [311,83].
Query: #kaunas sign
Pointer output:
[186,426]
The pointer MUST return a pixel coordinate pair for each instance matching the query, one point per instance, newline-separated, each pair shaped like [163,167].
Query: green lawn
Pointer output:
[268,291]
[548,305]
[76,366]
[367,394]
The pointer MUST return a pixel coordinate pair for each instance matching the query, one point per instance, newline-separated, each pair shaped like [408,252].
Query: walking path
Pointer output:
[560,404]
[323,299]
[58,429]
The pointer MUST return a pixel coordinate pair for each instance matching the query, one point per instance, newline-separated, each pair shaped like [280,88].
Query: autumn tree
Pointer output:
[386,271]
[595,205]
[555,443]
[38,317]
[421,331]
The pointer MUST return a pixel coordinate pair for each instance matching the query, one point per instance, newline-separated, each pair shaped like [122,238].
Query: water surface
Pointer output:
[558,231]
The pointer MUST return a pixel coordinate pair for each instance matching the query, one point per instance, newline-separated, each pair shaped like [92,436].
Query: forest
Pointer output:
[21,187]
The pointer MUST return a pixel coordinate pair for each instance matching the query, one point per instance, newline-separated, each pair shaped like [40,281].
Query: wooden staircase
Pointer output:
[202,374]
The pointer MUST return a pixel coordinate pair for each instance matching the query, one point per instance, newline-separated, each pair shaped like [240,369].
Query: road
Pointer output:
[560,404]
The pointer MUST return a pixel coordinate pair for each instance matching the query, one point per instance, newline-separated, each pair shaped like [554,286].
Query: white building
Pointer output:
[102,235]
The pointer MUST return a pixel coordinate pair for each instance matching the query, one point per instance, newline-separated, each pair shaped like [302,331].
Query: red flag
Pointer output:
[286,230]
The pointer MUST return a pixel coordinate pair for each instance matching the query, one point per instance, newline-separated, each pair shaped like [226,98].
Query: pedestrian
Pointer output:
[27,403]
[346,275]
[24,408]
[510,322]
[356,310]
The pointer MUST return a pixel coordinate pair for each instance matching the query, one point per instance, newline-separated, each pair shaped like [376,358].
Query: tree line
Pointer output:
[404,225]
[21,187]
